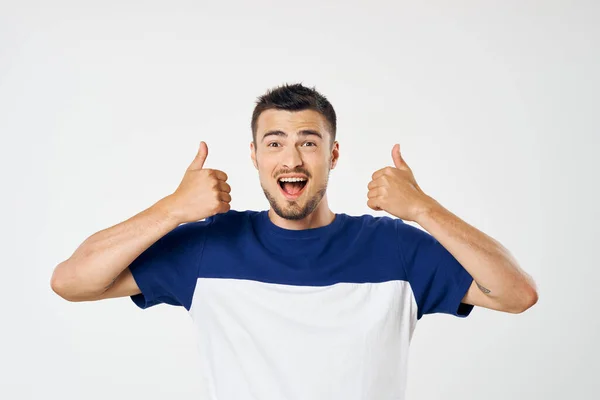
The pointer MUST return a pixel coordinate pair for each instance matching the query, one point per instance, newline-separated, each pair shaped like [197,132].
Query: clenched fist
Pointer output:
[396,191]
[202,192]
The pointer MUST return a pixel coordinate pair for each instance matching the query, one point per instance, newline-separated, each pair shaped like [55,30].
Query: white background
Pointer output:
[495,106]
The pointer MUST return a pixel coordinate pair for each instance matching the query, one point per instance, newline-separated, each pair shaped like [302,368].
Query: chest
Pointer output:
[341,313]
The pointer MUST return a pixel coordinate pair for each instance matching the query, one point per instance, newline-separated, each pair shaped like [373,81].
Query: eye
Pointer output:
[269,145]
[312,143]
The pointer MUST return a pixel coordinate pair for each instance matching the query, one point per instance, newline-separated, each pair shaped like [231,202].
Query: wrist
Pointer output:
[166,207]
[427,207]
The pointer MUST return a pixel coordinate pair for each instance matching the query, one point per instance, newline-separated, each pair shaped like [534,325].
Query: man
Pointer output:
[298,302]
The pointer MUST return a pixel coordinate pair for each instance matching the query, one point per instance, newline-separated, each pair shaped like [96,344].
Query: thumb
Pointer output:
[198,162]
[398,160]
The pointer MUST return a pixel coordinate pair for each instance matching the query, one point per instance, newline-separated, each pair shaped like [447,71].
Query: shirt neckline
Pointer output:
[273,229]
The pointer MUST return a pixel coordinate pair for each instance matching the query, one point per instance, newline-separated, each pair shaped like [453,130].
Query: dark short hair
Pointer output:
[294,97]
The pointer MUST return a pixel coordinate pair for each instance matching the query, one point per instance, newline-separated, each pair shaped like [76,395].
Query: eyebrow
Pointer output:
[304,132]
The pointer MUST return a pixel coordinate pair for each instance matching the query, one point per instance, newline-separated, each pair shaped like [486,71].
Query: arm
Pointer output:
[498,281]
[98,268]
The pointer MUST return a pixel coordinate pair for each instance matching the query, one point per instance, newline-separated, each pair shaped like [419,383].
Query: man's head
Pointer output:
[293,148]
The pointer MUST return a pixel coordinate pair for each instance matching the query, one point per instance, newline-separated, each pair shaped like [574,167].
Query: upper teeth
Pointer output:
[292,179]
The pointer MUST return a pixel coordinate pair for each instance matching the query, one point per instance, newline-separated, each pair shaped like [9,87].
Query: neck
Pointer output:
[321,216]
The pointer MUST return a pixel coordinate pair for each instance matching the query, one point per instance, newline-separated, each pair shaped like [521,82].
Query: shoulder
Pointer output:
[231,221]
[232,217]
[387,228]
[370,230]
[371,222]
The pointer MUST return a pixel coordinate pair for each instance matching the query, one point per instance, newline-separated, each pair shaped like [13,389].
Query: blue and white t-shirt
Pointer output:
[317,314]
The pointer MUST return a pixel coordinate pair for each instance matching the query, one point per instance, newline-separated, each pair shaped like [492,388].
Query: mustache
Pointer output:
[294,171]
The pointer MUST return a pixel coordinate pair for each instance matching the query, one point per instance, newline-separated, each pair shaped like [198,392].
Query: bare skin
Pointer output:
[98,269]
[282,148]
[292,145]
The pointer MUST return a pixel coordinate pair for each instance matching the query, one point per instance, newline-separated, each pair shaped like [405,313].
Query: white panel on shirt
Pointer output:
[266,341]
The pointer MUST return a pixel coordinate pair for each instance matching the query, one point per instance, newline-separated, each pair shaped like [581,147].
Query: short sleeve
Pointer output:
[167,271]
[439,282]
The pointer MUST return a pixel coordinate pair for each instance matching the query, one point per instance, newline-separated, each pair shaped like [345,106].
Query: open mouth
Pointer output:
[292,187]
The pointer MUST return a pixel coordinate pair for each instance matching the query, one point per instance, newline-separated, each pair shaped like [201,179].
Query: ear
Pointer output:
[253,155]
[335,154]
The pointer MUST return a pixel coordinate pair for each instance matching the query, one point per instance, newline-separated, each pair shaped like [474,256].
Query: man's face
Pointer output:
[293,157]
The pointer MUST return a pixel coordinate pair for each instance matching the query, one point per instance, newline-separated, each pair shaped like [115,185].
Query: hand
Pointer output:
[396,191]
[202,192]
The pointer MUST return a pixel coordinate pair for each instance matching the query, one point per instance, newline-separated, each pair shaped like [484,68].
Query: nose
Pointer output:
[291,157]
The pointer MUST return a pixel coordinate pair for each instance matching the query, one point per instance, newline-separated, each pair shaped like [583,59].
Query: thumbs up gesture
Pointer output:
[395,190]
[202,192]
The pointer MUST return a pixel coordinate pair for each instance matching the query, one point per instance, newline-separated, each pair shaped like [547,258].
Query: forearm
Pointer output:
[99,260]
[491,265]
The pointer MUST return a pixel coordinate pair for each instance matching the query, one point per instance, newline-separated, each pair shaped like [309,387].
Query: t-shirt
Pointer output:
[317,314]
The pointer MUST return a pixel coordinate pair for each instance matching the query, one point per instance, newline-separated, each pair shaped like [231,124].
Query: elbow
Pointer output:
[57,287]
[58,284]
[63,282]
[528,301]
[533,298]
